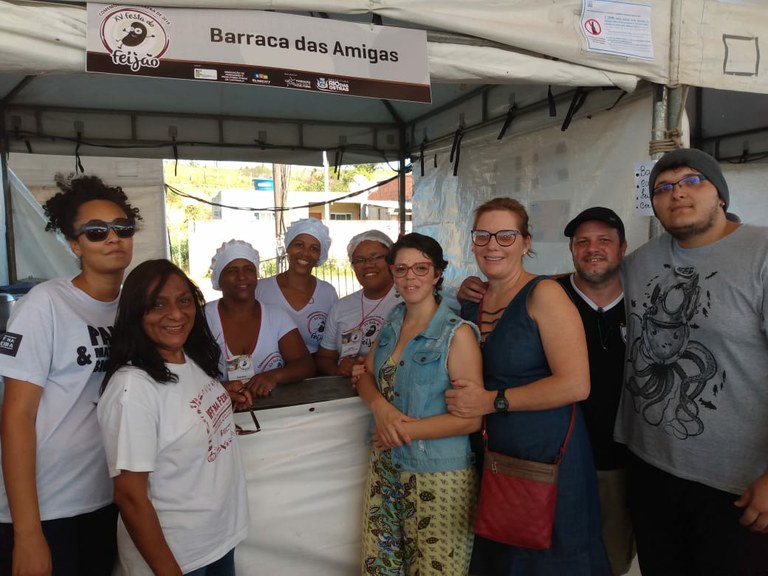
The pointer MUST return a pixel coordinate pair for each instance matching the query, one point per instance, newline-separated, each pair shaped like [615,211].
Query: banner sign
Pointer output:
[262,48]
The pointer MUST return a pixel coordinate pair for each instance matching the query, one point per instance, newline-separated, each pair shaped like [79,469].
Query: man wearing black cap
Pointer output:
[694,409]
[597,243]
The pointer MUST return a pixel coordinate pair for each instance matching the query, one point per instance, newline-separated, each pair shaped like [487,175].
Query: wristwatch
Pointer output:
[500,403]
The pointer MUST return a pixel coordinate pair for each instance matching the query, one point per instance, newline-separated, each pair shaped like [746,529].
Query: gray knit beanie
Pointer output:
[696,160]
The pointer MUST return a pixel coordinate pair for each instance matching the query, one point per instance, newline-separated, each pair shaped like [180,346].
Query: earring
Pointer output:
[397,294]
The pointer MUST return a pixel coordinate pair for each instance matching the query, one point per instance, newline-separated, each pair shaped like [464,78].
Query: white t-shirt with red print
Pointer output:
[183,434]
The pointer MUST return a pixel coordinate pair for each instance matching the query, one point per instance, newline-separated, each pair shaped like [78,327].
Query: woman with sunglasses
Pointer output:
[297,291]
[421,487]
[535,368]
[261,346]
[168,432]
[56,512]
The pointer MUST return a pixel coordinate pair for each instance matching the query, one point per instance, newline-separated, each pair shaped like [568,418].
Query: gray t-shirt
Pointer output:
[695,397]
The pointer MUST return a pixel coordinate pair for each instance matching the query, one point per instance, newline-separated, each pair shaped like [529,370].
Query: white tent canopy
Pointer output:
[485,60]
[47,98]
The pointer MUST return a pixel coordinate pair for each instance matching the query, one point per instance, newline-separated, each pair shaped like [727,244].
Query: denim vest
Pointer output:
[420,385]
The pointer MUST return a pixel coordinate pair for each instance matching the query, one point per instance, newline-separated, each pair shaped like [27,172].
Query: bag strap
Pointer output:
[562,448]
[568,434]
[573,406]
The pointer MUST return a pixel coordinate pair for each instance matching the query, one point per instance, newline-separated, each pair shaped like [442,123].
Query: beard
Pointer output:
[597,277]
[688,231]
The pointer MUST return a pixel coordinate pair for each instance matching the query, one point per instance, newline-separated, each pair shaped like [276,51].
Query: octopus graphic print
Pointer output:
[675,378]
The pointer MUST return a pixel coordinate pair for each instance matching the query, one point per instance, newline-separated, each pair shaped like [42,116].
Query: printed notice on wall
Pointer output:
[618,28]
[642,191]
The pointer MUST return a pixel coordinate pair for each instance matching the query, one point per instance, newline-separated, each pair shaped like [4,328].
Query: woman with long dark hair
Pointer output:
[56,512]
[168,432]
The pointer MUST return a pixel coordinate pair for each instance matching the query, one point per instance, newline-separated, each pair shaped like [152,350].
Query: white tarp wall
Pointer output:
[554,174]
[748,187]
[305,472]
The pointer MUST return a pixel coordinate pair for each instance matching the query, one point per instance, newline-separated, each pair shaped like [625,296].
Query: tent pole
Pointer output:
[401,180]
[658,133]
[10,246]
[668,111]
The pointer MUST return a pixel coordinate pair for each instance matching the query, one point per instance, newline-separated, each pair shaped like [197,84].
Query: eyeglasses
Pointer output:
[245,432]
[690,180]
[420,269]
[360,260]
[503,237]
[98,230]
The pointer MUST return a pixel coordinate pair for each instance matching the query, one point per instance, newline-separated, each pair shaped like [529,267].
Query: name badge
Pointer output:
[240,368]
[351,341]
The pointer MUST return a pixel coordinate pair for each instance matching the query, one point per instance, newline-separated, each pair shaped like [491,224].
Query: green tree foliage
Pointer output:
[312,179]
[205,179]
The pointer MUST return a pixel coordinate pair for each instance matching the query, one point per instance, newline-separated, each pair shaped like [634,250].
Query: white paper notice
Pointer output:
[642,191]
[619,28]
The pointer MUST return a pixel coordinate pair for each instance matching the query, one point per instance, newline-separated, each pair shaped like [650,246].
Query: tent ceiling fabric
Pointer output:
[47,98]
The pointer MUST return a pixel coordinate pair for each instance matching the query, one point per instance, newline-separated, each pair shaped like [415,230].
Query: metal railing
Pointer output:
[338,274]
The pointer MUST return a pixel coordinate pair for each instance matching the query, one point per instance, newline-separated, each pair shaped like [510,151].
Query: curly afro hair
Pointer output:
[62,208]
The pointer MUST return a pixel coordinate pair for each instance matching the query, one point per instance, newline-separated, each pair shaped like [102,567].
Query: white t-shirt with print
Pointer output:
[183,434]
[275,323]
[355,321]
[311,319]
[59,338]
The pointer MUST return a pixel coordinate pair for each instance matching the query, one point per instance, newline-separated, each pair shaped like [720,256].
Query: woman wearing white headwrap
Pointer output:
[354,321]
[260,345]
[307,299]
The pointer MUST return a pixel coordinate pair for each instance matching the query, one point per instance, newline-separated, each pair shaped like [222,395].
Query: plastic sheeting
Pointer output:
[305,473]
[555,175]
[41,254]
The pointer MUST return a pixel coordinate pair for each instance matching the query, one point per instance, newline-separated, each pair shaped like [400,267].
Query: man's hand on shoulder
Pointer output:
[472,289]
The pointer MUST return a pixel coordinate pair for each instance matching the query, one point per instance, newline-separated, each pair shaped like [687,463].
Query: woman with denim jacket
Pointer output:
[421,489]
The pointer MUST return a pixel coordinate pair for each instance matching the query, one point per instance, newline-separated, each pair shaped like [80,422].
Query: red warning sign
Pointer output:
[593,27]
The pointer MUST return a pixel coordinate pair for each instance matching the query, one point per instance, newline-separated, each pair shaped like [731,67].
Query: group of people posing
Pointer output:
[117,419]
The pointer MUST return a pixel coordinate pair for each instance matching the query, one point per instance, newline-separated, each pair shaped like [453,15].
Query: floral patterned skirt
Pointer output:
[417,523]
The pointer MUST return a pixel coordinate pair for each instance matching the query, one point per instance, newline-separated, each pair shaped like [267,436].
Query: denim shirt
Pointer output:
[420,385]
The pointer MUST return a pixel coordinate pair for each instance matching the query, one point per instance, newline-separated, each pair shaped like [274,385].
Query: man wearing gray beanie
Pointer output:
[694,408]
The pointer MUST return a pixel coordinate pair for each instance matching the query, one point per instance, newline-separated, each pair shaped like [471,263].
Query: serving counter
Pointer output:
[305,471]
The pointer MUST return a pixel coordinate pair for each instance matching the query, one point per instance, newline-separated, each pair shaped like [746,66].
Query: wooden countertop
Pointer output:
[309,391]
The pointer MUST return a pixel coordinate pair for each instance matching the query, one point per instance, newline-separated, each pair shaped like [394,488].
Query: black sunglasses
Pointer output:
[98,230]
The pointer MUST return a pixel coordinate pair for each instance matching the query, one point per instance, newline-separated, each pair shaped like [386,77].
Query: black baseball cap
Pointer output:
[596,213]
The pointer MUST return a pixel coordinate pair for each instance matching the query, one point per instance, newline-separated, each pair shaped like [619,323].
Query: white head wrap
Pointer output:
[229,251]
[314,228]
[373,235]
